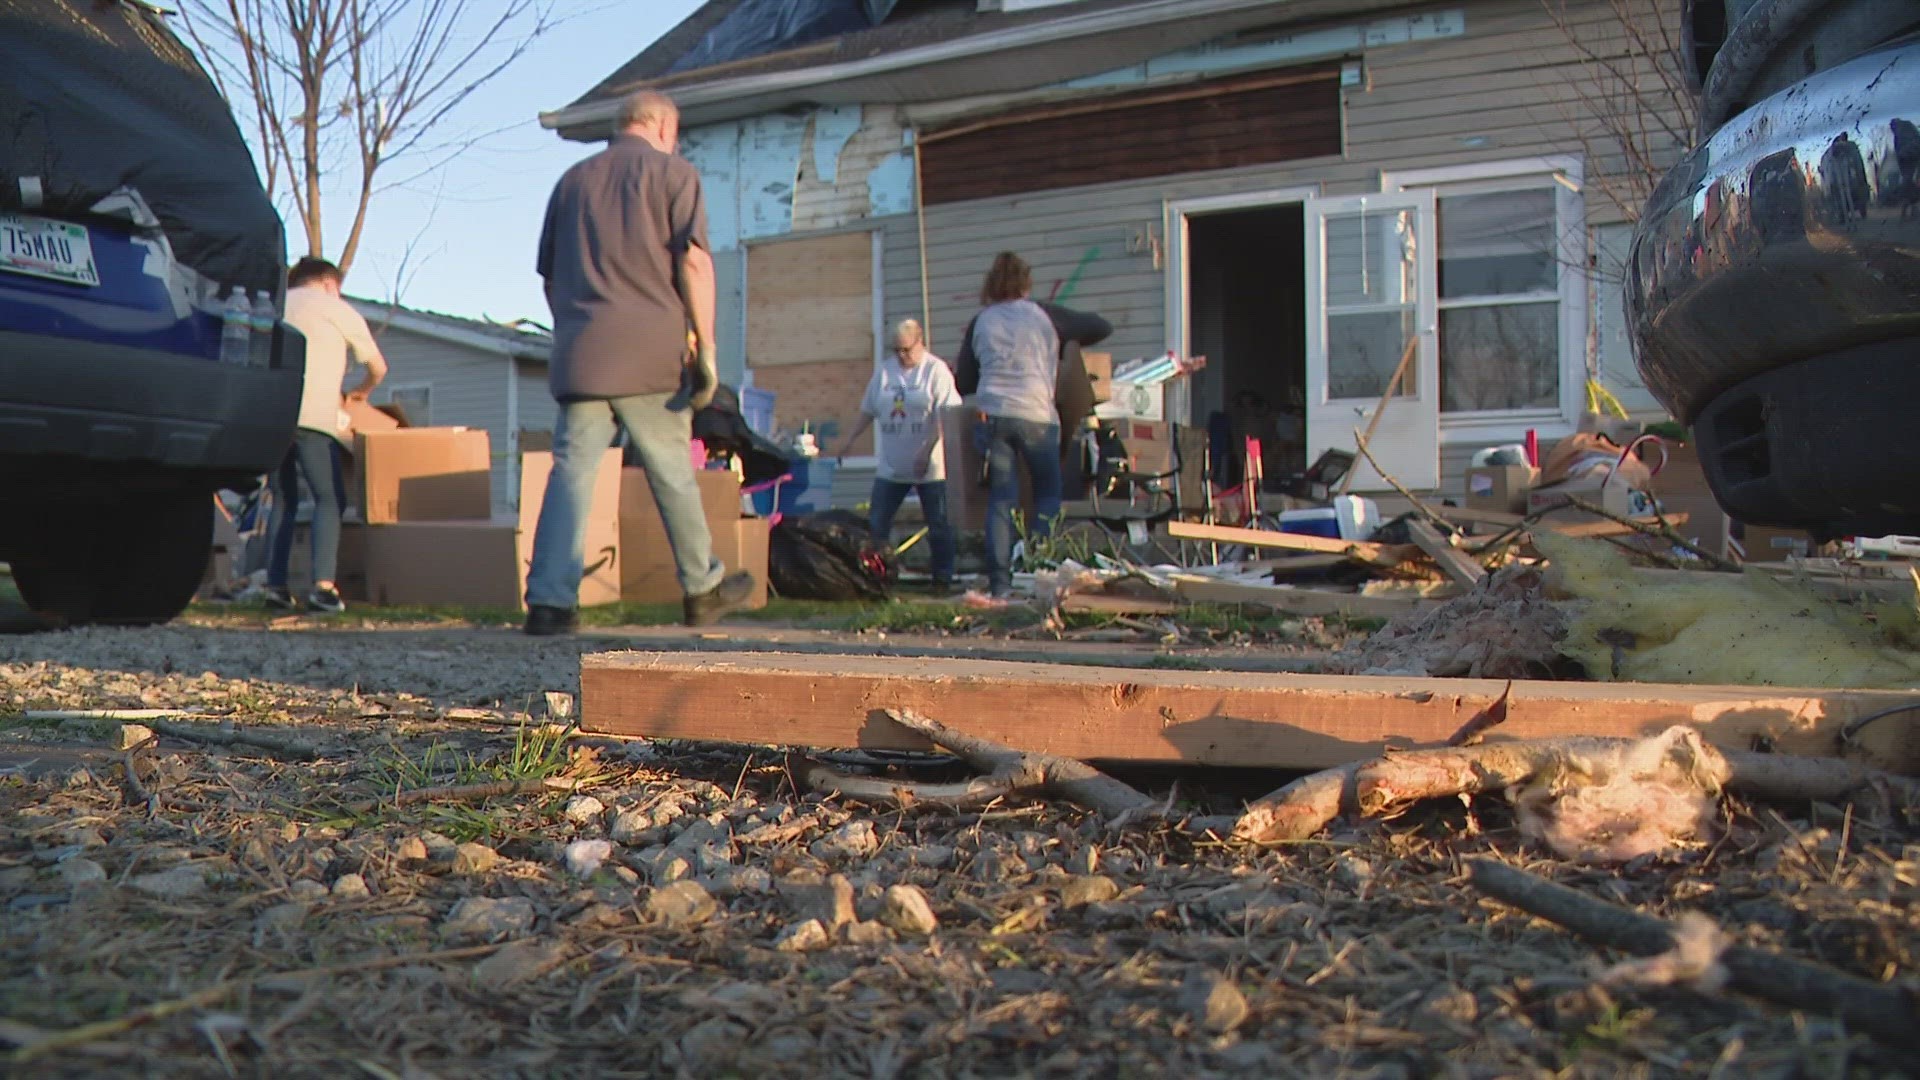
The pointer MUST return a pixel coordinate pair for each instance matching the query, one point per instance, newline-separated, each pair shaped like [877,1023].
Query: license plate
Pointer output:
[44,248]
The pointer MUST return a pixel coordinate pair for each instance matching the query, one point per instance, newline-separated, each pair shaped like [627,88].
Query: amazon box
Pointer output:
[424,474]
[740,544]
[484,563]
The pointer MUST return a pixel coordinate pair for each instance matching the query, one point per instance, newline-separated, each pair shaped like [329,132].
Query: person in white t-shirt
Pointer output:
[335,334]
[903,403]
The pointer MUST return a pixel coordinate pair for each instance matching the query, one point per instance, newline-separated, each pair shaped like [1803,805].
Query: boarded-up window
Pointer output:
[1222,124]
[810,300]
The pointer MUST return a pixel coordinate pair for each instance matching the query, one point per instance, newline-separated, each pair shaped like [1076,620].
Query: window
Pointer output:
[1500,300]
[415,401]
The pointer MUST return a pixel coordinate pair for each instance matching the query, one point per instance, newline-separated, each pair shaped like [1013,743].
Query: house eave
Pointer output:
[841,83]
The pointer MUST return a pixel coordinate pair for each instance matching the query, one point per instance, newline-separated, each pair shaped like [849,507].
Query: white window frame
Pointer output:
[394,388]
[1565,174]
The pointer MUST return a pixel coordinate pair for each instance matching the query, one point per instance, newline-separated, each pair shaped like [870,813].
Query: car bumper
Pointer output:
[1793,233]
[87,404]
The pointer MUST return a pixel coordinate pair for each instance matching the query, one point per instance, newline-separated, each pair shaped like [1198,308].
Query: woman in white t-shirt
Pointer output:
[903,403]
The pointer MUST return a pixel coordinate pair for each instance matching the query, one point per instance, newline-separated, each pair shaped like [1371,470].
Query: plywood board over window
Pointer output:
[810,300]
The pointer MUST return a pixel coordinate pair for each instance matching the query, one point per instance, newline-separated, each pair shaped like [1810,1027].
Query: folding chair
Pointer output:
[1151,485]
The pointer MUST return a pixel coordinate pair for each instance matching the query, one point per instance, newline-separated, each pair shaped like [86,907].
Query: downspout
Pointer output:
[513,429]
[920,217]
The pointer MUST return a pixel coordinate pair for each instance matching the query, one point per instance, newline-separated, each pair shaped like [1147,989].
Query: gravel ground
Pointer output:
[654,909]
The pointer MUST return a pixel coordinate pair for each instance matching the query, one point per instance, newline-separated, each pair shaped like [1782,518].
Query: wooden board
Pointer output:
[810,300]
[1090,604]
[1453,562]
[1383,554]
[1200,717]
[1314,602]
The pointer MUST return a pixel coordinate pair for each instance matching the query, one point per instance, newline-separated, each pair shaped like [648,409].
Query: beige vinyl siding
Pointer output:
[1501,92]
[469,389]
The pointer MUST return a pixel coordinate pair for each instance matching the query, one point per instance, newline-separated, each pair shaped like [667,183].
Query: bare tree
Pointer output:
[1634,101]
[344,90]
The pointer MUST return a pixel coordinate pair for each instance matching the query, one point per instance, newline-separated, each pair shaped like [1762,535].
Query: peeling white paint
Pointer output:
[832,128]
[715,152]
[769,168]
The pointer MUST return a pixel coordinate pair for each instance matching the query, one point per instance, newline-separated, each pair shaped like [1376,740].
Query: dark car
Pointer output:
[130,211]
[1774,284]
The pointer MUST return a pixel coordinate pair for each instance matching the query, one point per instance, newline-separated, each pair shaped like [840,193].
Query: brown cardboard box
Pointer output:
[484,563]
[424,474]
[740,544]
[1500,487]
[1764,543]
[1100,373]
[368,418]
[1681,487]
[350,570]
[1610,493]
[719,497]
[966,494]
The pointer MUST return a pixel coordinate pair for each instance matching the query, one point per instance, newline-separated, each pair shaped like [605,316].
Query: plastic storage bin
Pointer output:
[1349,518]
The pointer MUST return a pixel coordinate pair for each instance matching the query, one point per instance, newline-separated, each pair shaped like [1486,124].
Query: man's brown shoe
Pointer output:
[729,596]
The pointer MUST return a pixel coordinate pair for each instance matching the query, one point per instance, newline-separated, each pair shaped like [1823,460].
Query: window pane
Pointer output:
[1501,357]
[1498,244]
[1371,258]
[1364,349]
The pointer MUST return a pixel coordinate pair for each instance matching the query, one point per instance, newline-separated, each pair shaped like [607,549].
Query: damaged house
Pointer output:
[1294,189]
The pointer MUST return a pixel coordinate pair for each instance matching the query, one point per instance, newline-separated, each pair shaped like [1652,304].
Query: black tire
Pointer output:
[136,576]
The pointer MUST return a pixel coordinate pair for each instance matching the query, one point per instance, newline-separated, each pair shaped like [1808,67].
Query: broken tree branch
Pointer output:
[1889,1013]
[1382,785]
[221,735]
[1661,532]
[1009,772]
[466,792]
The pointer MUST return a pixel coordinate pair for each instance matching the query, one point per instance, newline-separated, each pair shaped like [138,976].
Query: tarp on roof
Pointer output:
[759,27]
[98,97]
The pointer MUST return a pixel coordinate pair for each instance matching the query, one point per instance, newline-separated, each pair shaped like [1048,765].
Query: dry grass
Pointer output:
[1360,955]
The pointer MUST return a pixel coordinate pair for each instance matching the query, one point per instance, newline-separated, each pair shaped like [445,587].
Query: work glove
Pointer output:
[699,381]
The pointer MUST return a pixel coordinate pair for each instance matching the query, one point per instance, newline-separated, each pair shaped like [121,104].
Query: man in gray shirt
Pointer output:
[625,260]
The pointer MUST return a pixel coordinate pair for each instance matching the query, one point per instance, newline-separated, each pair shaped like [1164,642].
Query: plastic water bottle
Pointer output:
[236,329]
[261,323]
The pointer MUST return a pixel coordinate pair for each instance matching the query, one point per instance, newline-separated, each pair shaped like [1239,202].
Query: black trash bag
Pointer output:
[721,427]
[829,556]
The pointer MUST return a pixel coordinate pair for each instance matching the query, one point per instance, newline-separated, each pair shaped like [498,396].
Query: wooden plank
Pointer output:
[810,300]
[1453,562]
[1382,554]
[1314,602]
[1200,717]
[1093,604]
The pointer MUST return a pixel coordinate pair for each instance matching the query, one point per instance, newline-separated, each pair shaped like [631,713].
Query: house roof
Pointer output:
[932,50]
[515,338]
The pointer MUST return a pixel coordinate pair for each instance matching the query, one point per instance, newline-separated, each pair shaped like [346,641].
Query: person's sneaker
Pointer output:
[545,621]
[941,587]
[326,598]
[279,598]
[730,595]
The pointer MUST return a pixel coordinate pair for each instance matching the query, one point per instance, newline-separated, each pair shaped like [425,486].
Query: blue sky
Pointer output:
[473,224]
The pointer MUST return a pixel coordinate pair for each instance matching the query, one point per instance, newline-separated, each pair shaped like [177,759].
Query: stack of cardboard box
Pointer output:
[647,570]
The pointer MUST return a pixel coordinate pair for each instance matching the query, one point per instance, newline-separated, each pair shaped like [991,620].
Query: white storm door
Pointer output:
[1372,278]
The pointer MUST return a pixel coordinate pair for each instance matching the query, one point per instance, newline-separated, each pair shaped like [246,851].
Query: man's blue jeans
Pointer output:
[316,456]
[887,497]
[581,438]
[1039,445]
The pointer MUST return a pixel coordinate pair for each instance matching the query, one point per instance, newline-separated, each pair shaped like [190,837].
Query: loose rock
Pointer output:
[1093,889]
[583,857]
[351,887]
[132,735]
[807,936]
[867,934]
[78,874]
[307,890]
[583,810]
[489,919]
[1225,1008]
[830,902]
[905,909]
[854,840]
[474,859]
[630,826]
[178,883]
[682,904]
[410,849]
[519,962]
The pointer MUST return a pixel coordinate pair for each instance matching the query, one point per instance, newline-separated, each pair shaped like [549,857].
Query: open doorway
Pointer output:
[1247,314]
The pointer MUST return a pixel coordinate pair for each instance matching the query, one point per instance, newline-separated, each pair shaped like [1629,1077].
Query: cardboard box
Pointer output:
[1682,488]
[740,544]
[1610,493]
[1764,543]
[1500,487]
[1140,402]
[350,569]
[484,563]
[366,418]
[1100,373]
[424,474]
[719,498]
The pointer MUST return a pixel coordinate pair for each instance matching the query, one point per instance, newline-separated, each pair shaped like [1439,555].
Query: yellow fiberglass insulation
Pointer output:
[1723,629]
